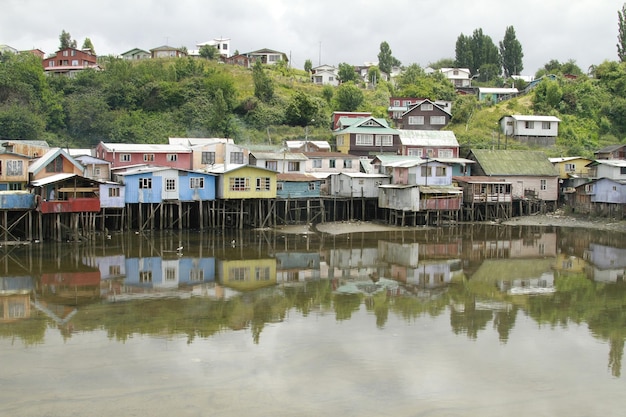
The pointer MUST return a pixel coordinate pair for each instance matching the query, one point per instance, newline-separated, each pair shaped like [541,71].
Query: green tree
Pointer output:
[17,122]
[327,93]
[442,63]
[410,76]
[209,52]
[463,53]
[621,36]
[475,51]
[301,109]
[66,41]
[263,84]
[87,44]
[348,97]
[511,53]
[373,75]
[346,73]
[308,65]
[386,60]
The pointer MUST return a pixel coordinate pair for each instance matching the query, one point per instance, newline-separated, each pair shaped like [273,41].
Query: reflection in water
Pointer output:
[479,275]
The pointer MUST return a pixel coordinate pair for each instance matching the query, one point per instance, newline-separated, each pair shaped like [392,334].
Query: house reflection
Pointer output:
[15,298]
[606,263]
[247,274]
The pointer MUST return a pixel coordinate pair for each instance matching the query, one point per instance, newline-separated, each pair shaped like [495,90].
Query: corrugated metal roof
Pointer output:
[506,162]
[533,118]
[287,156]
[145,147]
[427,138]
[52,179]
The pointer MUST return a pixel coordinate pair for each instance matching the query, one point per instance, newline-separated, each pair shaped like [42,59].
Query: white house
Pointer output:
[459,77]
[357,184]
[221,44]
[325,75]
[282,162]
[614,169]
[531,129]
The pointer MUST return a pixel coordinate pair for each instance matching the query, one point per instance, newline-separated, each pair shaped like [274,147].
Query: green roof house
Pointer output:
[531,173]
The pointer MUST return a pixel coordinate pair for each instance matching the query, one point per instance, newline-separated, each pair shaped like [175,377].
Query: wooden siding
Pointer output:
[251,174]
[71,205]
[17,200]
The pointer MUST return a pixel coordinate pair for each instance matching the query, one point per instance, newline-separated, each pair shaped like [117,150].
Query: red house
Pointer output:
[68,61]
[124,154]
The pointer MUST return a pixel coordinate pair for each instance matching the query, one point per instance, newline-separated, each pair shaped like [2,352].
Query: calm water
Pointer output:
[467,321]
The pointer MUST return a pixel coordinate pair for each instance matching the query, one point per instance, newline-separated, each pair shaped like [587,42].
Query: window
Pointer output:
[445,153]
[384,140]
[437,120]
[529,125]
[73,52]
[208,158]
[115,270]
[263,184]
[332,163]
[96,171]
[148,157]
[416,120]
[172,157]
[262,274]
[570,167]
[56,165]
[396,103]
[74,62]
[236,157]
[426,107]
[14,168]
[15,186]
[317,163]
[312,186]
[66,53]
[364,140]
[239,184]
[544,184]
[622,170]
[196,275]
[406,103]
[440,171]
[545,125]
[145,276]
[414,152]
[339,140]
[196,182]
[170,274]
[124,157]
[170,184]
[347,163]
[293,166]
[238,274]
[279,186]
[145,183]
[426,171]
[114,192]
[273,165]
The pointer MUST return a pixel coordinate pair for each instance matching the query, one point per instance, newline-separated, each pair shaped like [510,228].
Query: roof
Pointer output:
[292,177]
[494,90]
[198,141]
[566,159]
[477,179]
[299,143]
[417,104]
[144,147]
[285,156]
[610,148]
[532,118]
[427,138]
[46,158]
[610,162]
[356,125]
[322,154]
[91,160]
[507,162]
[363,175]
[52,179]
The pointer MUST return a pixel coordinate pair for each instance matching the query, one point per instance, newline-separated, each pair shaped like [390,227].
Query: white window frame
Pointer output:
[416,120]
[437,120]
[363,139]
[384,140]
[196,182]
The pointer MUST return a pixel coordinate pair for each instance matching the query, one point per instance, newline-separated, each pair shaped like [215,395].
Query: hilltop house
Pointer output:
[69,61]
[611,152]
[400,105]
[459,77]
[136,54]
[496,95]
[267,56]
[166,51]
[424,115]
[325,75]
[531,129]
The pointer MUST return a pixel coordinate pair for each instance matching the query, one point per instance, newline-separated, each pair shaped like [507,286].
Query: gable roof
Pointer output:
[532,118]
[610,148]
[198,141]
[411,137]
[144,147]
[364,125]
[48,157]
[507,162]
[413,106]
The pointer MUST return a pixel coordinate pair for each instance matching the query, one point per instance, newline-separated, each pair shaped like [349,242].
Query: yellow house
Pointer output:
[244,182]
[13,171]
[247,274]
[573,166]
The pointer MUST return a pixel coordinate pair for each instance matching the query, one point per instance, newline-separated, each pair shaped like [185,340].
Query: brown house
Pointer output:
[68,61]
[424,115]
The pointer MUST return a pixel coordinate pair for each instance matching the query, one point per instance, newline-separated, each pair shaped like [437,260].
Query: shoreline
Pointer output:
[558,219]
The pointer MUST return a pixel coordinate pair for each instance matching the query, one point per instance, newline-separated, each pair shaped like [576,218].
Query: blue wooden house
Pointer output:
[192,271]
[604,196]
[151,184]
[16,200]
[298,186]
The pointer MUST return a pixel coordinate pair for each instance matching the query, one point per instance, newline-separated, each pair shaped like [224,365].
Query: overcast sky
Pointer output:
[324,31]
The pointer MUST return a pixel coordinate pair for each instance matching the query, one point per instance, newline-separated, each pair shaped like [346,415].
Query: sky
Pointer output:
[323,31]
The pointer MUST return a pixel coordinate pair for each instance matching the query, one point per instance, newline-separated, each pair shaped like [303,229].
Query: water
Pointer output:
[475,320]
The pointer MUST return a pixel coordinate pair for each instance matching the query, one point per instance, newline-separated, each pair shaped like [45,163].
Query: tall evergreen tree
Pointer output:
[463,52]
[621,37]
[386,60]
[66,41]
[511,53]
[87,44]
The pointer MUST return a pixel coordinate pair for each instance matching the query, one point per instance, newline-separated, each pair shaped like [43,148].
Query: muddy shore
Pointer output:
[558,218]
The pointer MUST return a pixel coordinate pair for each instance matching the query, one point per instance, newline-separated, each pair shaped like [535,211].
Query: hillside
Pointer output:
[149,101]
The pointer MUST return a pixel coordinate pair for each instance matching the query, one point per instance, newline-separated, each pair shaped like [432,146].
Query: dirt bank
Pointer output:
[561,219]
